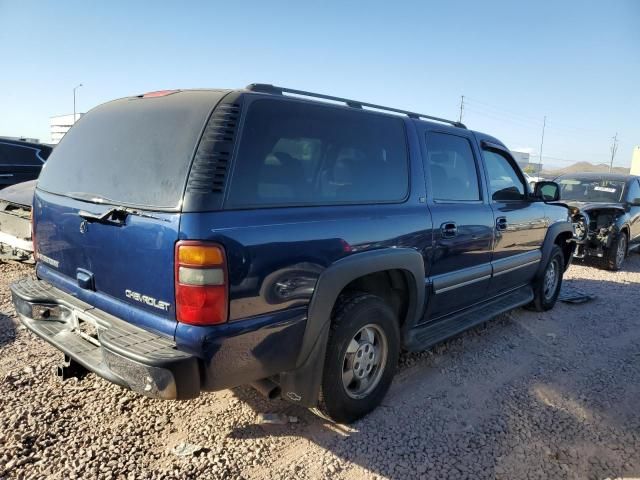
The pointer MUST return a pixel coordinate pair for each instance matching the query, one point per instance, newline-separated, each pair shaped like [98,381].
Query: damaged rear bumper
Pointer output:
[132,357]
[15,233]
[13,248]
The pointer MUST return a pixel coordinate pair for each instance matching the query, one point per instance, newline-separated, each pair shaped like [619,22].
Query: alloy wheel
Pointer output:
[622,250]
[551,277]
[364,361]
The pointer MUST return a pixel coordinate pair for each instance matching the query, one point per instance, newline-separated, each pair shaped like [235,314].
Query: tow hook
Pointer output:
[70,369]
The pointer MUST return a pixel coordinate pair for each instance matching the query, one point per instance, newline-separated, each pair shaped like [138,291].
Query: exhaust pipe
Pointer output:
[267,388]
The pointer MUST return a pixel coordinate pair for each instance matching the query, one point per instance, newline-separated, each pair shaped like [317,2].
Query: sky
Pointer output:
[577,62]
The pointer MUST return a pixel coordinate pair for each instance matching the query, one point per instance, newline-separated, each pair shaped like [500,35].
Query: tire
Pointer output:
[546,290]
[617,252]
[364,330]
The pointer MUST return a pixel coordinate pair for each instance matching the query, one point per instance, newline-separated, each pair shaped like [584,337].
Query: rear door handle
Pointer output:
[501,223]
[449,229]
[6,174]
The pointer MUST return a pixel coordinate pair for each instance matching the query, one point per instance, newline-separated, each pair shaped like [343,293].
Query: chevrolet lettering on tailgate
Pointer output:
[138,297]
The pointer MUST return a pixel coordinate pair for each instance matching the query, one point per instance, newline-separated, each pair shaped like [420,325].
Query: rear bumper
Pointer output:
[121,353]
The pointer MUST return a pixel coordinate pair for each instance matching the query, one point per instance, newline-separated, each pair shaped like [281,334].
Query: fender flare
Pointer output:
[625,226]
[302,385]
[549,241]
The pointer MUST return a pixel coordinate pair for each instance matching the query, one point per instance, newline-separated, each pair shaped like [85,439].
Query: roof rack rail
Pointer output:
[266,88]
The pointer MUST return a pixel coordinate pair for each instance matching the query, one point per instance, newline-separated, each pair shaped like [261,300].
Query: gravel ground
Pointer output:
[530,395]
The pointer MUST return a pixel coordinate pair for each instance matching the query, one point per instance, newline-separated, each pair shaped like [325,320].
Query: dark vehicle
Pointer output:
[15,221]
[606,214]
[21,161]
[197,240]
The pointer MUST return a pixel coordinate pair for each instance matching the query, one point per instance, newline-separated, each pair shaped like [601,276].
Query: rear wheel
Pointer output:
[362,354]
[617,253]
[547,288]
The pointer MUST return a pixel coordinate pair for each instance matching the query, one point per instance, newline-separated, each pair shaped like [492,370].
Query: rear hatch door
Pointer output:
[107,205]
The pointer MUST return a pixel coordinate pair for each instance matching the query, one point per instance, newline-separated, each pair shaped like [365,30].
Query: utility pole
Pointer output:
[614,150]
[461,108]
[74,102]
[544,124]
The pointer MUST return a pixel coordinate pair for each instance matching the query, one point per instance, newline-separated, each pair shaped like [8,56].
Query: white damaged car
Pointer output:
[15,221]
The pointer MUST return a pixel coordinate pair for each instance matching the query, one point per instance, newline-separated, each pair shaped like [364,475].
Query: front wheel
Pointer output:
[547,288]
[362,355]
[617,253]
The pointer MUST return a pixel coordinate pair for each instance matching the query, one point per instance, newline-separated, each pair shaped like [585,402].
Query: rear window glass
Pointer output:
[294,153]
[134,151]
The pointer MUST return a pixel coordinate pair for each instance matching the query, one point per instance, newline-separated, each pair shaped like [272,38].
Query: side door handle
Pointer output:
[449,229]
[6,174]
[501,223]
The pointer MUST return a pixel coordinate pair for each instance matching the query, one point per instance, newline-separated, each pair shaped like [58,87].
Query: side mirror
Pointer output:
[547,191]
[635,202]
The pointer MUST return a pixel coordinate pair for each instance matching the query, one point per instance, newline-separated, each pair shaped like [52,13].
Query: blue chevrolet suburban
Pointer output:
[196,240]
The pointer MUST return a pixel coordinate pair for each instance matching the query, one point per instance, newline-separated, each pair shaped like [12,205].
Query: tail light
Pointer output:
[158,93]
[201,283]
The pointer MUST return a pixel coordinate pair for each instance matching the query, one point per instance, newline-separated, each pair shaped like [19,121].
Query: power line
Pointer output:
[614,150]
[501,114]
[469,104]
[493,116]
[502,110]
[564,131]
[581,130]
[544,124]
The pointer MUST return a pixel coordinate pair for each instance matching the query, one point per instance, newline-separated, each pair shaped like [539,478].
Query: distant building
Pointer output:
[60,124]
[524,160]
[521,157]
[635,161]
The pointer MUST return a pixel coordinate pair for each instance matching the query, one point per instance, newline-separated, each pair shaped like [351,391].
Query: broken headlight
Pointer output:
[581,226]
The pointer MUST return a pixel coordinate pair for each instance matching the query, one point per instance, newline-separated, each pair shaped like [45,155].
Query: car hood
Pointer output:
[576,207]
[20,193]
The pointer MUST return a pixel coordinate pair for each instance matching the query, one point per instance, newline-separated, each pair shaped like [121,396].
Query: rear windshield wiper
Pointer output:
[116,215]
[88,197]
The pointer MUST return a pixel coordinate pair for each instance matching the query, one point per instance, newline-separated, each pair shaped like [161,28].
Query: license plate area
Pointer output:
[88,329]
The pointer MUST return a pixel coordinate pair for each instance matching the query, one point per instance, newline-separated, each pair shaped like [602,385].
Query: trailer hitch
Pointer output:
[70,369]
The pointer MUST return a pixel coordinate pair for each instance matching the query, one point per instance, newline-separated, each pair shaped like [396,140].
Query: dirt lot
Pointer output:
[529,395]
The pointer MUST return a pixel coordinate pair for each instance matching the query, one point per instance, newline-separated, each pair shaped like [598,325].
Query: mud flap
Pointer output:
[302,386]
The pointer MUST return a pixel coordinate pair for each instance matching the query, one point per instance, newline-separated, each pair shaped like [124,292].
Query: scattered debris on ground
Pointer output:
[185,449]
[569,293]
[275,419]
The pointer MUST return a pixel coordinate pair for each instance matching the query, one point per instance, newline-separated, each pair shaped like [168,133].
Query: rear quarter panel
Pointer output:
[275,256]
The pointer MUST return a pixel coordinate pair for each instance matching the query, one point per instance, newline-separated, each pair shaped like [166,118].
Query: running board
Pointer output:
[426,335]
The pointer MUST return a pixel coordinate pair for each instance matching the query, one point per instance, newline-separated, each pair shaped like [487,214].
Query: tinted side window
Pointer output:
[17,155]
[504,181]
[452,168]
[45,152]
[294,153]
[634,191]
